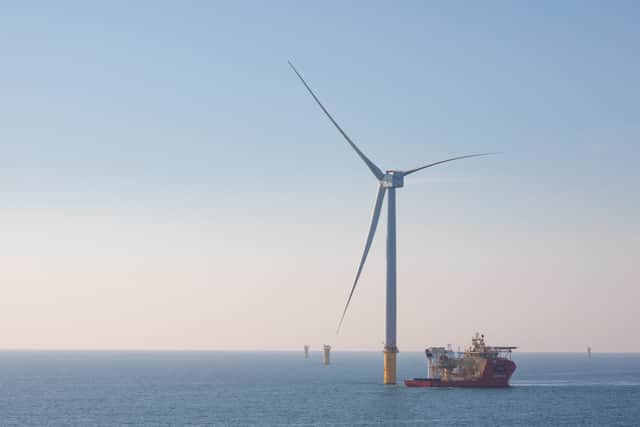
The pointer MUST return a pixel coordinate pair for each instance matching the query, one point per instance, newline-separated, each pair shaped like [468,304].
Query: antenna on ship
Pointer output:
[388,181]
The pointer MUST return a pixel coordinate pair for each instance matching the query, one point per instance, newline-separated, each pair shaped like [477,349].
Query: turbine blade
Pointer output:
[374,169]
[444,161]
[372,231]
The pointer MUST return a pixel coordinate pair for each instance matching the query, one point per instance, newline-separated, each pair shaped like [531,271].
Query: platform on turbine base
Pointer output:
[390,365]
[326,354]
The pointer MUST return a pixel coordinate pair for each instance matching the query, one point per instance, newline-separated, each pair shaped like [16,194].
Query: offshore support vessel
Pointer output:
[479,366]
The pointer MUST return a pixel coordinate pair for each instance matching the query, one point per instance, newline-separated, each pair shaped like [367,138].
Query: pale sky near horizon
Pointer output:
[167,183]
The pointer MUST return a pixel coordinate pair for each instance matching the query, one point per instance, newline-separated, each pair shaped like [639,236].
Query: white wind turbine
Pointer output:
[389,181]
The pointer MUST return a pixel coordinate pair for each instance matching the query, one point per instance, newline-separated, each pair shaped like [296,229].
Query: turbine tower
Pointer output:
[388,182]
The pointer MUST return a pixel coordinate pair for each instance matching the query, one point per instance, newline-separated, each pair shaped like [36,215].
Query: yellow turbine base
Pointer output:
[390,366]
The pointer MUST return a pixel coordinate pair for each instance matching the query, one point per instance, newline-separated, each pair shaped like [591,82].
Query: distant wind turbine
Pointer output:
[388,182]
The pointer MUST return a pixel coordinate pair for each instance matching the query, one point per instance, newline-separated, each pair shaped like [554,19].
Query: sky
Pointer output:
[167,183]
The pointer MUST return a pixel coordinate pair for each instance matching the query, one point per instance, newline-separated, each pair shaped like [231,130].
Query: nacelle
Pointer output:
[392,179]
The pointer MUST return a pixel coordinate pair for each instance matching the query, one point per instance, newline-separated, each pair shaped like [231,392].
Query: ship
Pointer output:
[478,366]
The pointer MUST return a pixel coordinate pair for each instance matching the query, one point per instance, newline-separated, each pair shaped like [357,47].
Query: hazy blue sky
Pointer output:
[166,181]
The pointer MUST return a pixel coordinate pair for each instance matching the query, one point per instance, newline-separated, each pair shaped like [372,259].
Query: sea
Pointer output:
[218,388]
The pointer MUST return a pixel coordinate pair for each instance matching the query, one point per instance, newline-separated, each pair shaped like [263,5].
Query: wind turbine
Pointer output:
[388,182]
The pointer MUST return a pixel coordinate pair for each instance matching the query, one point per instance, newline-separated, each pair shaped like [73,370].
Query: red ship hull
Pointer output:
[496,374]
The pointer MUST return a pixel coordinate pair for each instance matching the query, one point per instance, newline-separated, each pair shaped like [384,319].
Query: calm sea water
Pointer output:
[260,389]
